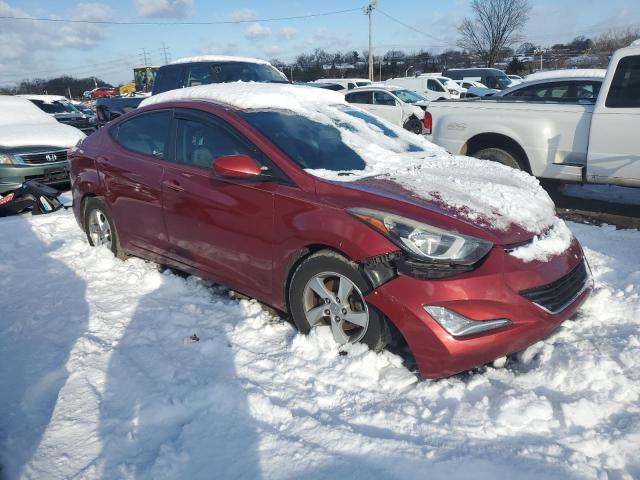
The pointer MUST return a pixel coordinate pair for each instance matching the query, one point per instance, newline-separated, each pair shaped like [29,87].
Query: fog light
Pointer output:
[460,326]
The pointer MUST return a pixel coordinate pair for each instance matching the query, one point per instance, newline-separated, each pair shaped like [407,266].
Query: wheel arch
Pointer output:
[496,140]
[297,258]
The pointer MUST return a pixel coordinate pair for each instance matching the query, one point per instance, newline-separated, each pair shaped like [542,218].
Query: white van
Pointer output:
[428,87]
[347,83]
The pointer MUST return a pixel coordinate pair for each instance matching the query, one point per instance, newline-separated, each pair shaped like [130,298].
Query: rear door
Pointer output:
[132,175]
[614,152]
[221,226]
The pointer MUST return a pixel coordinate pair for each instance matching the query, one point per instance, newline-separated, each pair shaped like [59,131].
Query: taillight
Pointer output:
[7,198]
[428,123]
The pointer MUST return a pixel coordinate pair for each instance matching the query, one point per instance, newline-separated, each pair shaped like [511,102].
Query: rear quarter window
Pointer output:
[624,91]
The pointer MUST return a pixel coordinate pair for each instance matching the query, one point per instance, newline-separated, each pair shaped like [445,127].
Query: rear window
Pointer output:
[359,97]
[624,91]
[147,134]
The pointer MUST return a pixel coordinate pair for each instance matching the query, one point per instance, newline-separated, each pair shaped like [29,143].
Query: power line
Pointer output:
[219,22]
[413,28]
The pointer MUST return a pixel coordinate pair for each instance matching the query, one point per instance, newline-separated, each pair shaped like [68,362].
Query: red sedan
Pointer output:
[103,92]
[334,217]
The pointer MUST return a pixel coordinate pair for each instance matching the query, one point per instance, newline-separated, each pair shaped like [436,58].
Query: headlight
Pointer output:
[423,241]
[6,159]
[460,326]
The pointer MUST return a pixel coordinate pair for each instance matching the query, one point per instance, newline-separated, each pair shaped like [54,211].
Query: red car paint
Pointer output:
[103,92]
[247,234]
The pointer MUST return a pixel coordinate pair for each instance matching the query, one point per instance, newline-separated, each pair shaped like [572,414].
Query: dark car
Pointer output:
[64,111]
[277,191]
[490,77]
[203,70]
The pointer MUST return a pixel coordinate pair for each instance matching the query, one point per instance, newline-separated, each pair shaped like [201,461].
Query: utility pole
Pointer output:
[540,52]
[165,53]
[145,58]
[368,10]
[291,74]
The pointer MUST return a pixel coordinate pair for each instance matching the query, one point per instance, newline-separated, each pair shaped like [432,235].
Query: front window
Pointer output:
[497,82]
[334,140]
[434,86]
[383,98]
[199,144]
[407,96]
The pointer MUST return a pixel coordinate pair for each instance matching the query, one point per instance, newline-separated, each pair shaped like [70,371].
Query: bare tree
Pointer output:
[496,24]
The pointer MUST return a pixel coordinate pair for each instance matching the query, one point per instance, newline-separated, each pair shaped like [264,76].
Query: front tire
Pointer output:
[328,289]
[499,155]
[100,228]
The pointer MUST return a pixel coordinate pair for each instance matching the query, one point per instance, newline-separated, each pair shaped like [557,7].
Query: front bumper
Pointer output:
[14,175]
[487,293]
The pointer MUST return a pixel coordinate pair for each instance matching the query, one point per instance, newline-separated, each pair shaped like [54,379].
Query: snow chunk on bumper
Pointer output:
[553,242]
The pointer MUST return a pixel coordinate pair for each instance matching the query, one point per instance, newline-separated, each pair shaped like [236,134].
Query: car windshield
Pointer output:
[56,106]
[202,74]
[408,96]
[317,145]
[499,82]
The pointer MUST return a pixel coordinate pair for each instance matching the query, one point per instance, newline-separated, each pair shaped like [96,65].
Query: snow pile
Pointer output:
[481,191]
[22,124]
[98,381]
[568,72]
[20,110]
[542,247]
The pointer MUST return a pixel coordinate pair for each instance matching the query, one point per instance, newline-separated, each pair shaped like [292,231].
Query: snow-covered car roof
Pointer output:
[387,151]
[23,124]
[45,98]
[219,58]
[567,74]
[350,79]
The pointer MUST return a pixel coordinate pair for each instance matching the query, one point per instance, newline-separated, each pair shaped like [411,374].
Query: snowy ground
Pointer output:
[97,381]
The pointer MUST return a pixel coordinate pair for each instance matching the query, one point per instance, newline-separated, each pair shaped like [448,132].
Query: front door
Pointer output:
[385,106]
[224,227]
[614,153]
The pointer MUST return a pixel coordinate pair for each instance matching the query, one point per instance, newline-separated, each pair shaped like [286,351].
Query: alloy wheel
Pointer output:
[332,299]
[99,228]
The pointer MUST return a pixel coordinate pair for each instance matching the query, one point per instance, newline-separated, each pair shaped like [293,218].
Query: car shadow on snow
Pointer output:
[43,313]
[173,406]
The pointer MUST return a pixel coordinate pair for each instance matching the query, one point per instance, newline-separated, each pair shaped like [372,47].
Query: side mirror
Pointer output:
[236,166]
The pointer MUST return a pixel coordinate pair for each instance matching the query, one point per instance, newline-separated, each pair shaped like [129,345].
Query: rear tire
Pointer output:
[499,155]
[329,270]
[100,228]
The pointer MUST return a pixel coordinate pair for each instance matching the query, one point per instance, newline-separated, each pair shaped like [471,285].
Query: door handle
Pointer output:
[173,185]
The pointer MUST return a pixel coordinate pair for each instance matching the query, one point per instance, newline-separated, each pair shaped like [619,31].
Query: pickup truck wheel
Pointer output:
[499,155]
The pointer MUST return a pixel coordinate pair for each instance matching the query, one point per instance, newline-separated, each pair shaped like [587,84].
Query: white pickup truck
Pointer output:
[571,139]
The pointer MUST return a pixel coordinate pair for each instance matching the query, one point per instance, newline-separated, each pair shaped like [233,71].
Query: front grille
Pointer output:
[44,157]
[558,295]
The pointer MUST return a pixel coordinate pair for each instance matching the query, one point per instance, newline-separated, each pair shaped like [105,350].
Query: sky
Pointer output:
[31,48]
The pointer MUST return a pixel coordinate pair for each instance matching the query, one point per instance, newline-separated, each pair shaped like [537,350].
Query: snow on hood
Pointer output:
[484,192]
[22,124]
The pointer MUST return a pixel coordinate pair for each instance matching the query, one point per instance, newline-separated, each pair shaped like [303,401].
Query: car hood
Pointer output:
[485,199]
[51,133]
